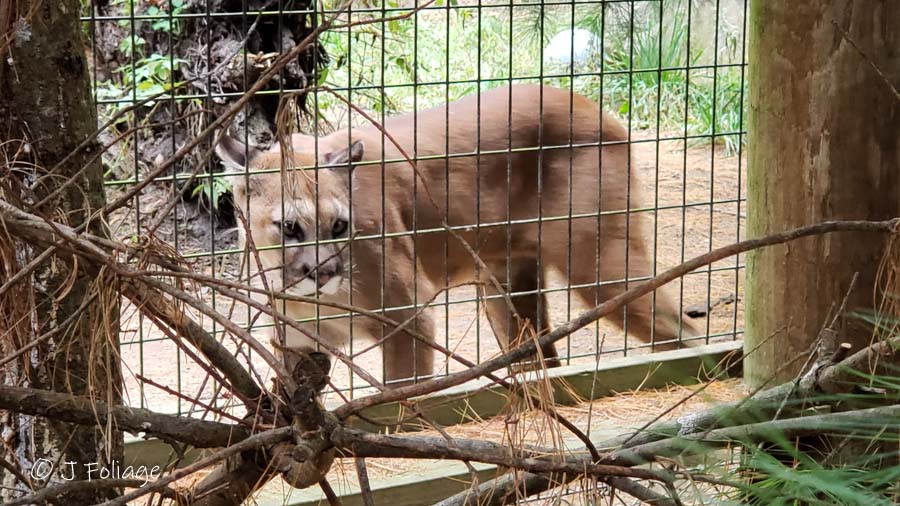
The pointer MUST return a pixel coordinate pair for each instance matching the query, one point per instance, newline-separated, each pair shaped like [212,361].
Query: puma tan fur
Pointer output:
[538,158]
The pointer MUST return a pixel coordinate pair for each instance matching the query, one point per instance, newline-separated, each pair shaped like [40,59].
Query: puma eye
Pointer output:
[339,228]
[292,229]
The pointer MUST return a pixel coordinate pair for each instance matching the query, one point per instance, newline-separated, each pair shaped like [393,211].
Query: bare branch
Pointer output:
[86,411]
[530,347]
[543,460]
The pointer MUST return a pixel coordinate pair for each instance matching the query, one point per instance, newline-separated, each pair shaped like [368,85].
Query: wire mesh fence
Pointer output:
[513,208]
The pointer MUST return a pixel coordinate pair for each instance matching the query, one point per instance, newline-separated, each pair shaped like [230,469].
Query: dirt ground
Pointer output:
[696,196]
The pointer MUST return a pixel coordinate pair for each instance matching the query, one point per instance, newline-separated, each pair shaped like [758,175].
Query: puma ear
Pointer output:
[235,155]
[345,156]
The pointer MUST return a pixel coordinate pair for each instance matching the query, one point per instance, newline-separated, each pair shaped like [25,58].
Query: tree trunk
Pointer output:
[46,111]
[824,144]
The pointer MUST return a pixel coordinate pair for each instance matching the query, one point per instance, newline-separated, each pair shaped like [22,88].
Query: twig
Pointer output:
[50,333]
[145,292]
[641,492]
[333,498]
[724,370]
[826,337]
[187,398]
[868,60]
[15,472]
[365,489]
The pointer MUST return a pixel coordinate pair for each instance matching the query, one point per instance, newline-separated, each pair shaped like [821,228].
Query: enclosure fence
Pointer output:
[671,72]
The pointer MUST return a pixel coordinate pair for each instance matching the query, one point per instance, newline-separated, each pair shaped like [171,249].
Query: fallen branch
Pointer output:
[510,487]
[505,490]
[830,380]
[540,460]
[846,422]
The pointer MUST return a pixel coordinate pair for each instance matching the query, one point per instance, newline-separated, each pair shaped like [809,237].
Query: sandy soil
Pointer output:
[696,211]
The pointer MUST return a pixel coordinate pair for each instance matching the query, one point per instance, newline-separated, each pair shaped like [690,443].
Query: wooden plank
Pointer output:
[438,479]
[155,452]
[481,399]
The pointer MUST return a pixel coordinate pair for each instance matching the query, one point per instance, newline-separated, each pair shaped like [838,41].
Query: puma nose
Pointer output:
[322,274]
[329,272]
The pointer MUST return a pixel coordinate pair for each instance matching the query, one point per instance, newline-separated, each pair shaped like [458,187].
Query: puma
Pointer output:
[517,154]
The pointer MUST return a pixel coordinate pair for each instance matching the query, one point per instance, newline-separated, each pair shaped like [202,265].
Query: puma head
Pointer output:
[297,211]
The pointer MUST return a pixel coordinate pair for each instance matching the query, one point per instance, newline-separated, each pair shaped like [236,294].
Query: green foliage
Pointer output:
[149,76]
[643,62]
[212,188]
[145,78]
[806,481]
[433,47]
[170,24]
[644,85]
[716,107]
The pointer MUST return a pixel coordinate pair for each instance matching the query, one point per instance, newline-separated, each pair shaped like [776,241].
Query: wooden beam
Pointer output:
[481,399]
[824,143]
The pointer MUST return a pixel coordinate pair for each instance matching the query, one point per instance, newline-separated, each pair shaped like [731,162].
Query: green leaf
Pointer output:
[323,75]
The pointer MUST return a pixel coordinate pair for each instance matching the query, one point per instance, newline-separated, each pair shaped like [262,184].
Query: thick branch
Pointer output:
[85,411]
[366,444]
[508,488]
[263,439]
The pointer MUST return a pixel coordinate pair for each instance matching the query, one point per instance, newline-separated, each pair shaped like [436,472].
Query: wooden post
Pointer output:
[824,127]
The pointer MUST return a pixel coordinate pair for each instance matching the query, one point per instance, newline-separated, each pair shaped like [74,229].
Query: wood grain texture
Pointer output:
[824,133]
